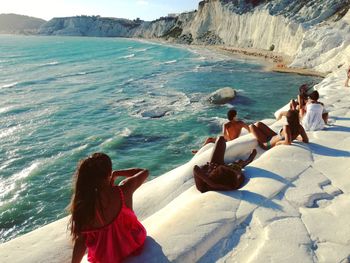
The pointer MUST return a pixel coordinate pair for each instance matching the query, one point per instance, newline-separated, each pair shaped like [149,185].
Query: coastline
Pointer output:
[310,165]
[303,187]
[272,61]
[276,62]
[194,61]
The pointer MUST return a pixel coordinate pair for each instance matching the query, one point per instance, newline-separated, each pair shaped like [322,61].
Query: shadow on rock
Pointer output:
[338,128]
[151,252]
[326,151]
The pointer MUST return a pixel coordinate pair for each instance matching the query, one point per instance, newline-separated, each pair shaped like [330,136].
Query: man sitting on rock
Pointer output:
[231,129]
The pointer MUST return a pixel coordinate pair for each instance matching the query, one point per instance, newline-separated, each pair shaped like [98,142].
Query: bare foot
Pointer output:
[251,156]
[249,159]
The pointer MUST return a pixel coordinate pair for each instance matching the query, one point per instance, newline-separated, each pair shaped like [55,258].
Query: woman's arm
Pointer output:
[126,172]
[303,135]
[287,136]
[130,184]
[78,250]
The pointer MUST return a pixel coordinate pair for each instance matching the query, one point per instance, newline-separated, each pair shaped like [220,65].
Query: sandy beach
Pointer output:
[276,62]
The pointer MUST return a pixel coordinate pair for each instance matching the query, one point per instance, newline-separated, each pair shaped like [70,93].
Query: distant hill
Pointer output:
[19,24]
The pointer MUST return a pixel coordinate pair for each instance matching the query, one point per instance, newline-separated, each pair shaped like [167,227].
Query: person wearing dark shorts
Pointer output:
[218,176]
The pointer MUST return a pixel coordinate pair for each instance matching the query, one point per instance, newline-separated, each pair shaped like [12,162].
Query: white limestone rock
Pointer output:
[222,96]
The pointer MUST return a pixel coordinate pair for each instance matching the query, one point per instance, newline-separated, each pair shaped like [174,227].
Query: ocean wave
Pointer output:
[240,91]
[128,56]
[170,61]
[125,132]
[215,119]
[34,82]
[51,63]
[112,143]
[80,148]
[80,73]
[10,85]
[196,68]
[128,81]
[5,109]
[10,184]
[27,171]
[141,50]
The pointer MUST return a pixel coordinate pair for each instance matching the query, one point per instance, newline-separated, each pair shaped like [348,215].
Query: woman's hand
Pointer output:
[125,173]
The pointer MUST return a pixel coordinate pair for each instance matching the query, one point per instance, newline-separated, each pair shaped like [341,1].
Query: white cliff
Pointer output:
[315,34]
[89,26]
[293,207]
[325,47]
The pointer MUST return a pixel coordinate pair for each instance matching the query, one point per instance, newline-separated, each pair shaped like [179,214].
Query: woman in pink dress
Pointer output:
[102,219]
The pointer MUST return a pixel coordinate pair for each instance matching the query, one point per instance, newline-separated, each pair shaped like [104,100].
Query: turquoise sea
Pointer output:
[144,104]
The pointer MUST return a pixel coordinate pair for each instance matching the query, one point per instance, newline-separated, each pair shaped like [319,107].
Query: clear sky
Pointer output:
[144,9]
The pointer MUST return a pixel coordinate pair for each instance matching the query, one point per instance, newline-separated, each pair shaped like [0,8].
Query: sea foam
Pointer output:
[128,56]
[10,85]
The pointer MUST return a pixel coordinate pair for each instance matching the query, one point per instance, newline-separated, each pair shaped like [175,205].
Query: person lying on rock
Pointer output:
[230,130]
[267,138]
[102,218]
[218,176]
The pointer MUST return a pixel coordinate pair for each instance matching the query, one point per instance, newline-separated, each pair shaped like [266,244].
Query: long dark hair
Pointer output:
[88,179]
[293,122]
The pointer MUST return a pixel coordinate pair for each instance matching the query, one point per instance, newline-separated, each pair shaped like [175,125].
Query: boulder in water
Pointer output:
[154,113]
[222,96]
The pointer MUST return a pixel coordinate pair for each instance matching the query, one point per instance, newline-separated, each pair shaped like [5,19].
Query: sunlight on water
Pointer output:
[143,104]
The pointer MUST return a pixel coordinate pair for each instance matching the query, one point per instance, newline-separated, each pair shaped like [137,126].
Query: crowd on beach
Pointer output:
[102,217]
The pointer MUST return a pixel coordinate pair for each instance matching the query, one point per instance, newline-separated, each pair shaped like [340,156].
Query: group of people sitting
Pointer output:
[216,175]
[102,217]
[312,112]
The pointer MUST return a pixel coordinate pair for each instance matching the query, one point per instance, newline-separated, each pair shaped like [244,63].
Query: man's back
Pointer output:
[232,129]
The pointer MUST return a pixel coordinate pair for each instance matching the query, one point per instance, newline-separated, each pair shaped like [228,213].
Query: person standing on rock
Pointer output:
[347,77]
[231,129]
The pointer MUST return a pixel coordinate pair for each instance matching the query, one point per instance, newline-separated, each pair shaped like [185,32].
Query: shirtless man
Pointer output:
[230,130]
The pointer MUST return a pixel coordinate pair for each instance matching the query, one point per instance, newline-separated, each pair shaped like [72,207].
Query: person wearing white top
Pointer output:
[315,117]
